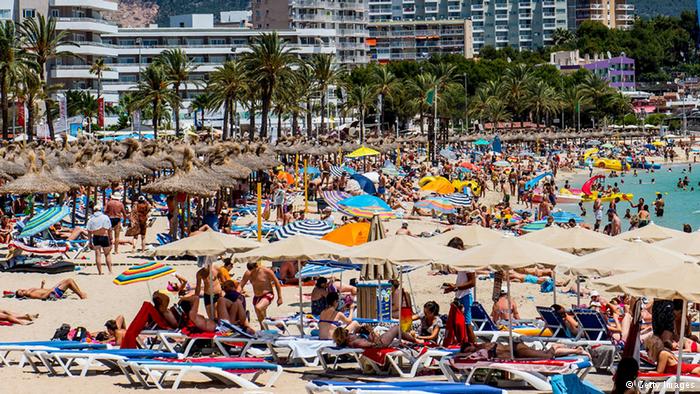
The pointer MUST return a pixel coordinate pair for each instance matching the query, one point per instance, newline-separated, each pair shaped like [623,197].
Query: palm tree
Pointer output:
[420,89]
[361,98]
[98,68]
[152,89]
[228,83]
[203,102]
[269,59]
[543,100]
[573,101]
[386,84]
[518,81]
[326,72]
[14,61]
[30,90]
[497,112]
[598,92]
[177,67]
[304,78]
[561,36]
[41,39]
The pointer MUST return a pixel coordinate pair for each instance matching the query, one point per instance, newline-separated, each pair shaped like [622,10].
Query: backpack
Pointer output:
[61,333]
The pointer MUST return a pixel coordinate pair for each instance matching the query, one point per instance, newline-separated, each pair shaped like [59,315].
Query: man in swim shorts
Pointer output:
[262,279]
[54,293]
[99,228]
[114,208]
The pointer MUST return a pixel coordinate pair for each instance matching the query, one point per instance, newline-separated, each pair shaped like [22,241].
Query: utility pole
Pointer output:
[466,104]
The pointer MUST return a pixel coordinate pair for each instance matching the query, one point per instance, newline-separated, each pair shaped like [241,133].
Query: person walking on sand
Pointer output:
[99,229]
[140,214]
[56,292]
[262,279]
[114,208]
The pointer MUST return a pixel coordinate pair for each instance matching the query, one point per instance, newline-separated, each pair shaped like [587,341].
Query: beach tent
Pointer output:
[207,243]
[351,234]
[650,233]
[629,257]
[365,183]
[43,220]
[471,236]
[440,185]
[367,206]
[573,240]
[309,227]
[363,151]
[687,243]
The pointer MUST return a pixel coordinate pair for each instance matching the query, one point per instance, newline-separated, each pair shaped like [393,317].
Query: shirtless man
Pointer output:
[262,279]
[659,205]
[57,291]
[209,279]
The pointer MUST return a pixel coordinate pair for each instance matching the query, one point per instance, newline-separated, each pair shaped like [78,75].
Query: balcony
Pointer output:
[501,6]
[501,17]
[625,7]
[477,7]
[79,72]
[90,48]
[86,24]
[312,17]
[525,5]
[502,28]
[625,17]
[525,38]
[103,5]
[454,8]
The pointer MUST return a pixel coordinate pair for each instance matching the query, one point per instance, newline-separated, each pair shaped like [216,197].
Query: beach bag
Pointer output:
[61,333]
[406,318]
[133,230]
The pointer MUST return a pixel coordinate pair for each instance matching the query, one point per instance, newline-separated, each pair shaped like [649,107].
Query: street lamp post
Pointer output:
[466,104]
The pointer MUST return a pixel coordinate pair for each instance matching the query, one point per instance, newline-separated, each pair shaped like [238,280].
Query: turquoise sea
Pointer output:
[682,206]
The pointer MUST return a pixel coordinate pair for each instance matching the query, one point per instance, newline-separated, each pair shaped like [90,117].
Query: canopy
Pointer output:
[572,240]
[681,283]
[437,204]
[687,243]
[481,142]
[629,257]
[285,176]
[207,243]
[399,250]
[351,234]
[440,186]
[607,145]
[468,166]
[362,152]
[367,206]
[470,235]
[650,233]
[329,267]
[43,220]
[142,273]
[310,227]
[365,183]
[507,253]
[296,248]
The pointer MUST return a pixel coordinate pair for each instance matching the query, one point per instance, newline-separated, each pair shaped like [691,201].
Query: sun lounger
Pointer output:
[305,350]
[485,327]
[87,359]
[8,348]
[156,373]
[330,386]
[334,354]
[286,323]
[405,362]
[532,372]
[54,249]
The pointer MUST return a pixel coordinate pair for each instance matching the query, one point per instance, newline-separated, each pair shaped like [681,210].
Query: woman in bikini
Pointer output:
[330,318]
[666,361]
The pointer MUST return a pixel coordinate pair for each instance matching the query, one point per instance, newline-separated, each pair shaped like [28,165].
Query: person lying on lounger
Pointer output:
[11,317]
[497,351]
[666,361]
[54,293]
[366,338]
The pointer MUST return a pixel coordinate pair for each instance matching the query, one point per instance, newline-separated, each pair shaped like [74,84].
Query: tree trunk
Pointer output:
[421,121]
[295,122]
[176,110]
[202,119]
[30,120]
[5,110]
[155,119]
[99,84]
[49,119]
[251,131]
[279,124]
[232,118]
[224,126]
[309,118]
[323,113]
[266,101]
[362,127]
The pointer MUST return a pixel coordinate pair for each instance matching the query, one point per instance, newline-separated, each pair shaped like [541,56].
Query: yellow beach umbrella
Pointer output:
[362,152]
[658,143]
[440,185]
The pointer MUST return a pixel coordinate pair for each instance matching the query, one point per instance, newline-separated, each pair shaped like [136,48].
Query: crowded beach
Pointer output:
[496,262]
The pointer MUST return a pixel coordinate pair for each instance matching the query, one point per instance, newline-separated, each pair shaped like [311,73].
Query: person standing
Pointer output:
[140,215]
[116,212]
[659,205]
[598,212]
[466,280]
[99,229]
[263,280]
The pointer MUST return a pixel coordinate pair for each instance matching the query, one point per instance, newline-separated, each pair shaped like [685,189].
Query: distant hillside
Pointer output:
[139,13]
[649,8]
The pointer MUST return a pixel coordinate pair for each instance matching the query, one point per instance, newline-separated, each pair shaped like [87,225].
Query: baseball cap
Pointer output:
[595,293]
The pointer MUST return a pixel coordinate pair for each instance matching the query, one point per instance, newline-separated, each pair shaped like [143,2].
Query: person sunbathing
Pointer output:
[11,317]
[365,337]
[68,234]
[666,360]
[54,293]
[116,329]
[497,351]
[330,318]
[571,326]
[191,318]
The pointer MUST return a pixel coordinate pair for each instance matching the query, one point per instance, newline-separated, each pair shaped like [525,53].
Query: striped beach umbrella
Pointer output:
[437,204]
[43,220]
[309,227]
[459,199]
[143,273]
[333,197]
[367,206]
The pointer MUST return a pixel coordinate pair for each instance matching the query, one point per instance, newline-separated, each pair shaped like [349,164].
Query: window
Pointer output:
[28,13]
[5,14]
[217,41]
[55,13]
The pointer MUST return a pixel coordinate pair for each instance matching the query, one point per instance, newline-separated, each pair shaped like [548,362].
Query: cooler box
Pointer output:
[374,300]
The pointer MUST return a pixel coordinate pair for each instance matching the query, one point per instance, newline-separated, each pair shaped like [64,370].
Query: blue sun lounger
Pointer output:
[7,348]
[86,359]
[330,386]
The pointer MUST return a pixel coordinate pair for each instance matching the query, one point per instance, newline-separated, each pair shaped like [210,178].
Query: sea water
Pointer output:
[682,206]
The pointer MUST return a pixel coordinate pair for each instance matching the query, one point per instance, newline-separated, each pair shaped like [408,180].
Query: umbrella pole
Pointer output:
[211,287]
[510,317]
[73,206]
[400,302]
[301,301]
[554,288]
[578,291]
[680,346]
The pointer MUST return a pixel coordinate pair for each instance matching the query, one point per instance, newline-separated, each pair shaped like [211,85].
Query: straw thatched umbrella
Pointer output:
[38,180]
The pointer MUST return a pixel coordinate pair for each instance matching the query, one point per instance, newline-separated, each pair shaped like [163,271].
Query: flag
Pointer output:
[430,97]
[101,112]
[20,113]
[63,112]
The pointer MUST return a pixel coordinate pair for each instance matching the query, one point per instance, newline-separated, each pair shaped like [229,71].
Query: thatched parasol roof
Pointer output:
[185,180]
[35,181]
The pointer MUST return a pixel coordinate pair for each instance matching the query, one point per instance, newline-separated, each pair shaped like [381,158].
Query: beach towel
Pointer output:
[456,328]
[571,384]
[305,348]
[146,314]
[378,355]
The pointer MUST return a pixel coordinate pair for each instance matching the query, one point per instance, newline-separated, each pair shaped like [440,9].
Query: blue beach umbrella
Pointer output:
[564,217]
[365,183]
[367,206]
[44,220]
[459,199]
[313,172]
[309,227]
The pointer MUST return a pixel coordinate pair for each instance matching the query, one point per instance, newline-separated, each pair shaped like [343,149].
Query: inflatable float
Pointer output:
[610,164]
[472,185]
